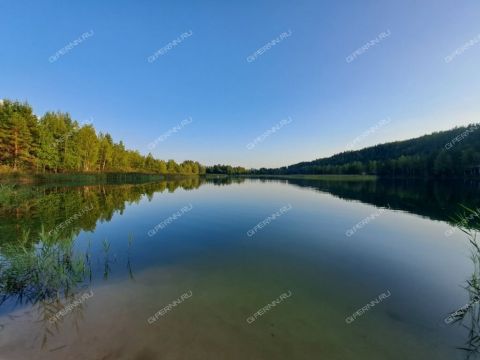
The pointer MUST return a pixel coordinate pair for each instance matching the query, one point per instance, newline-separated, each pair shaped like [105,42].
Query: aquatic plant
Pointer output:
[469,316]
[45,271]
[129,253]
[49,274]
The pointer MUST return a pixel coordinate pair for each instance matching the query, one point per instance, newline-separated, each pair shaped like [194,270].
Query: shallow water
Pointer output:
[209,251]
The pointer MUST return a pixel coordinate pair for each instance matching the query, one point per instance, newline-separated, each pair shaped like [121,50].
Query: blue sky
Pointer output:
[106,79]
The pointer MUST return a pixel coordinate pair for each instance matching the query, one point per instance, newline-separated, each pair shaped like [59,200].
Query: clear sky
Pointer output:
[107,79]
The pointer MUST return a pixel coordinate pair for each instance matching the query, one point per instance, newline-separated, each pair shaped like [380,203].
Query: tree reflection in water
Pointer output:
[42,270]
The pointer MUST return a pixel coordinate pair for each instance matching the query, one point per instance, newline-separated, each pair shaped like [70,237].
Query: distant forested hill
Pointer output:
[452,153]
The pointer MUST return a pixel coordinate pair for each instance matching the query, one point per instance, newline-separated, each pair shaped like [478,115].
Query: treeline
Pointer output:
[57,143]
[452,153]
[227,170]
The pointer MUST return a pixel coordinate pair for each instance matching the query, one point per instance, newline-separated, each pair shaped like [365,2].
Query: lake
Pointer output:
[236,268]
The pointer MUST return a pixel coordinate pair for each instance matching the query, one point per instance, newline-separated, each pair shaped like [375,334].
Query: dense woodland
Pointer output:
[452,153]
[56,143]
[227,170]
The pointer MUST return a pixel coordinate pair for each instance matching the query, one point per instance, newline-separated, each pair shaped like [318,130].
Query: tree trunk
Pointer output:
[15,151]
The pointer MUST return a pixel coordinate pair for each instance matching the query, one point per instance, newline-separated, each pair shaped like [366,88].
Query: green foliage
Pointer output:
[18,127]
[56,143]
[87,146]
[226,169]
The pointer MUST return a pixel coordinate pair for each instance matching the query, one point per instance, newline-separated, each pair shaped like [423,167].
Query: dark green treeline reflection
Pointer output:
[58,208]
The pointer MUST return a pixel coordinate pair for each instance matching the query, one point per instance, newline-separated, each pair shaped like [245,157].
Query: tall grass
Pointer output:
[469,316]
[45,271]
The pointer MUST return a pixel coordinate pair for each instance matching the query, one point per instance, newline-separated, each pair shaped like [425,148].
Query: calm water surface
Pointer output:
[132,249]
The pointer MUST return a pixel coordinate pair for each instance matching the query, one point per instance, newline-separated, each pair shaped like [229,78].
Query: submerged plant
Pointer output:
[106,249]
[129,252]
[47,270]
[49,274]
[469,315]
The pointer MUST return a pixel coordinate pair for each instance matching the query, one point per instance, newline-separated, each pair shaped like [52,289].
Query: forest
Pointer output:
[55,143]
[444,154]
[227,170]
